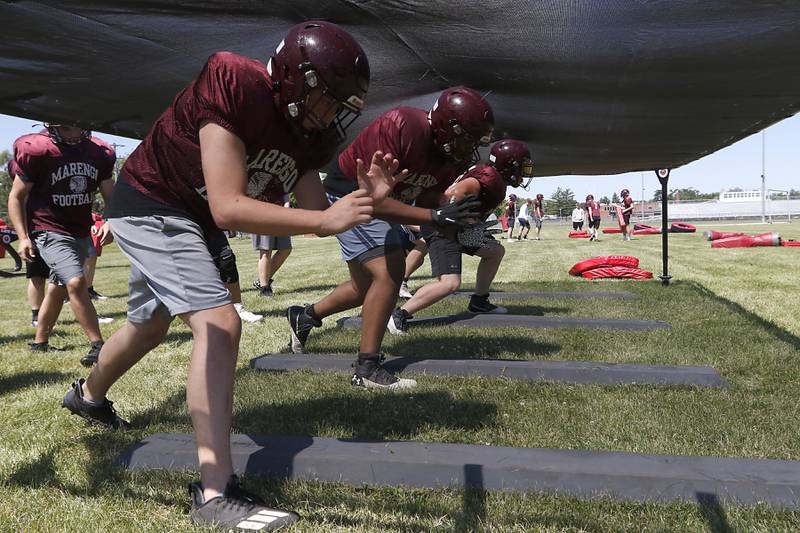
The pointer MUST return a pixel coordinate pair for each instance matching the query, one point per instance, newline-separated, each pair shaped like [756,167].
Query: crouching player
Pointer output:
[509,163]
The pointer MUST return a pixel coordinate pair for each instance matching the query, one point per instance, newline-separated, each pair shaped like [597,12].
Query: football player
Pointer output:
[57,174]
[435,146]
[234,141]
[509,164]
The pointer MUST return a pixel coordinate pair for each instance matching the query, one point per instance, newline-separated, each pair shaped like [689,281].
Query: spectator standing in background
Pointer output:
[577,217]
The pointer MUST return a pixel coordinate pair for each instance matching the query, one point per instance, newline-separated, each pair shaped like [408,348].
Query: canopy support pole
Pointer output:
[663,177]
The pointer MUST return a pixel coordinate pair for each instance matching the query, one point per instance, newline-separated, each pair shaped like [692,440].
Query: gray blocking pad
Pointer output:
[626,476]
[561,371]
[467,320]
[551,294]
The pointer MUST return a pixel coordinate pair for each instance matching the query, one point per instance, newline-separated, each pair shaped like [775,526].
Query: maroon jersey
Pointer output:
[493,187]
[538,210]
[406,134]
[64,178]
[626,204]
[593,208]
[236,93]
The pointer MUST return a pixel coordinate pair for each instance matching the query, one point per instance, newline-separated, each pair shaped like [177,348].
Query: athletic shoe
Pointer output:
[94,352]
[246,315]
[101,414]
[256,284]
[591,237]
[398,322]
[509,240]
[236,510]
[44,347]
[266,292]
[34,323]
[104,320]
[300,324]
[370,374]
[404,291]
[94,295]
[481,304]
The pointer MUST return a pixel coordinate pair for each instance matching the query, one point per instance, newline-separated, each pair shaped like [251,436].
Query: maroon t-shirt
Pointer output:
[405,133]
[64,178]
[236,93]
[538,209]
[593,208]
[493,187]
[626,203]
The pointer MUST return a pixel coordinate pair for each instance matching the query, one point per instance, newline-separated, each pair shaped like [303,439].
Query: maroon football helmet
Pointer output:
[513,160]
[462,120]
[54,130]
[320,54]
[625,193]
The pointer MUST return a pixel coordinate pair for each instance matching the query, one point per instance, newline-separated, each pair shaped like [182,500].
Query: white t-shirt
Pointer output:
[523,210]
[577,215]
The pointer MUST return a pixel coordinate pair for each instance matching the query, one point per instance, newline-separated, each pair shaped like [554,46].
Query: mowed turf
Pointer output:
[736,310]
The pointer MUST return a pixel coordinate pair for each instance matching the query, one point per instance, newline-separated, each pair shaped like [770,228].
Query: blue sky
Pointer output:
[738,165]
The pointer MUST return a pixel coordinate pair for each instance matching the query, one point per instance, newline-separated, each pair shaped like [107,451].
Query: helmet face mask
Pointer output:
[57,134]
[320,77]
[625,193]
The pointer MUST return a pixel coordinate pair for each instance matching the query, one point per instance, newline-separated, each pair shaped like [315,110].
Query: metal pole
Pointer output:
[663,177]
[641,174]
[763,176]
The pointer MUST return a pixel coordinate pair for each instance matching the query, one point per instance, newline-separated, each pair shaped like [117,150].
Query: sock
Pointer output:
[97,344]
[310,312]
[93,403]
[365,356]
[34,314]
[91,288]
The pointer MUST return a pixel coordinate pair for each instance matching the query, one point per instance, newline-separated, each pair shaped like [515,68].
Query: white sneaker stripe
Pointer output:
[254,526]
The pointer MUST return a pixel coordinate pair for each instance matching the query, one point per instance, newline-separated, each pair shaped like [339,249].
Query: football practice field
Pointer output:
[737,310]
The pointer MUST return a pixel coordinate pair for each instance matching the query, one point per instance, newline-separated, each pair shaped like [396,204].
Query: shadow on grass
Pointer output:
[9,384]
[777,331]
[713,513]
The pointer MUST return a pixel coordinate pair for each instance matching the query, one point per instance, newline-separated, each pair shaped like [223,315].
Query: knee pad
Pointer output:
[226,263]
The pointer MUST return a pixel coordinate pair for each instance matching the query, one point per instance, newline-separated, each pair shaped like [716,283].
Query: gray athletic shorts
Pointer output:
[172,271]
[268,242]
[537,221]
[64,254]
[367,241]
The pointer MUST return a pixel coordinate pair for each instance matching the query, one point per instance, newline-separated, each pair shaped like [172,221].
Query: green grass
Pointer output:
[736,310]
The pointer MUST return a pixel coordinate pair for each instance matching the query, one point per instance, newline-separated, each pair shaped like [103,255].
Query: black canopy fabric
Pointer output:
[596,87]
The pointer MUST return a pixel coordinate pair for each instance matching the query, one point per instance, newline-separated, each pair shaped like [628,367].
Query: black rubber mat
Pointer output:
[551,294]
[626,476]
[521,321]
[561,371]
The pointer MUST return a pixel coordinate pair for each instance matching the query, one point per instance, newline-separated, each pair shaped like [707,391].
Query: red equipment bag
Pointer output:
[682,227]
[716,235]
[746,241]
[612,230]
[617,272]
[604,261]
[582,234]
[650,230]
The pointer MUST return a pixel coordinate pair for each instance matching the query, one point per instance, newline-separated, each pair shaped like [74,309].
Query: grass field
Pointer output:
[737,310]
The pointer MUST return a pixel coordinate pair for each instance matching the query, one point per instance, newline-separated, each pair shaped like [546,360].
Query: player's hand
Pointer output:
[103,234]
[348,211]
[26,250]
[477,235]
[456,213]
[381,176]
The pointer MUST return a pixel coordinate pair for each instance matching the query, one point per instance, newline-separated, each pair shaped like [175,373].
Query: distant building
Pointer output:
[740,196]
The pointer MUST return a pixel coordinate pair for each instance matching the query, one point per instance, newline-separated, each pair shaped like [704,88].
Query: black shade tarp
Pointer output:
[595,87]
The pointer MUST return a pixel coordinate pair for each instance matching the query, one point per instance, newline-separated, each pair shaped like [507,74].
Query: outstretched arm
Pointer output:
[17,212]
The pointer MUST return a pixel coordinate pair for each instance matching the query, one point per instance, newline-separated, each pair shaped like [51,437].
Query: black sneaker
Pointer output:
[481,304]
[256,284]
[102,414]
[398,322]
[300,324]
[236,510]
[94,295]
[91,356]
[370,374]
[44,347]
[266,292]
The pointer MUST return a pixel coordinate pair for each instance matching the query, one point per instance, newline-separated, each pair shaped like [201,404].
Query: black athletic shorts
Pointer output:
[445,255]
[594,222]
[37,268]
[627,218]
[577,225]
